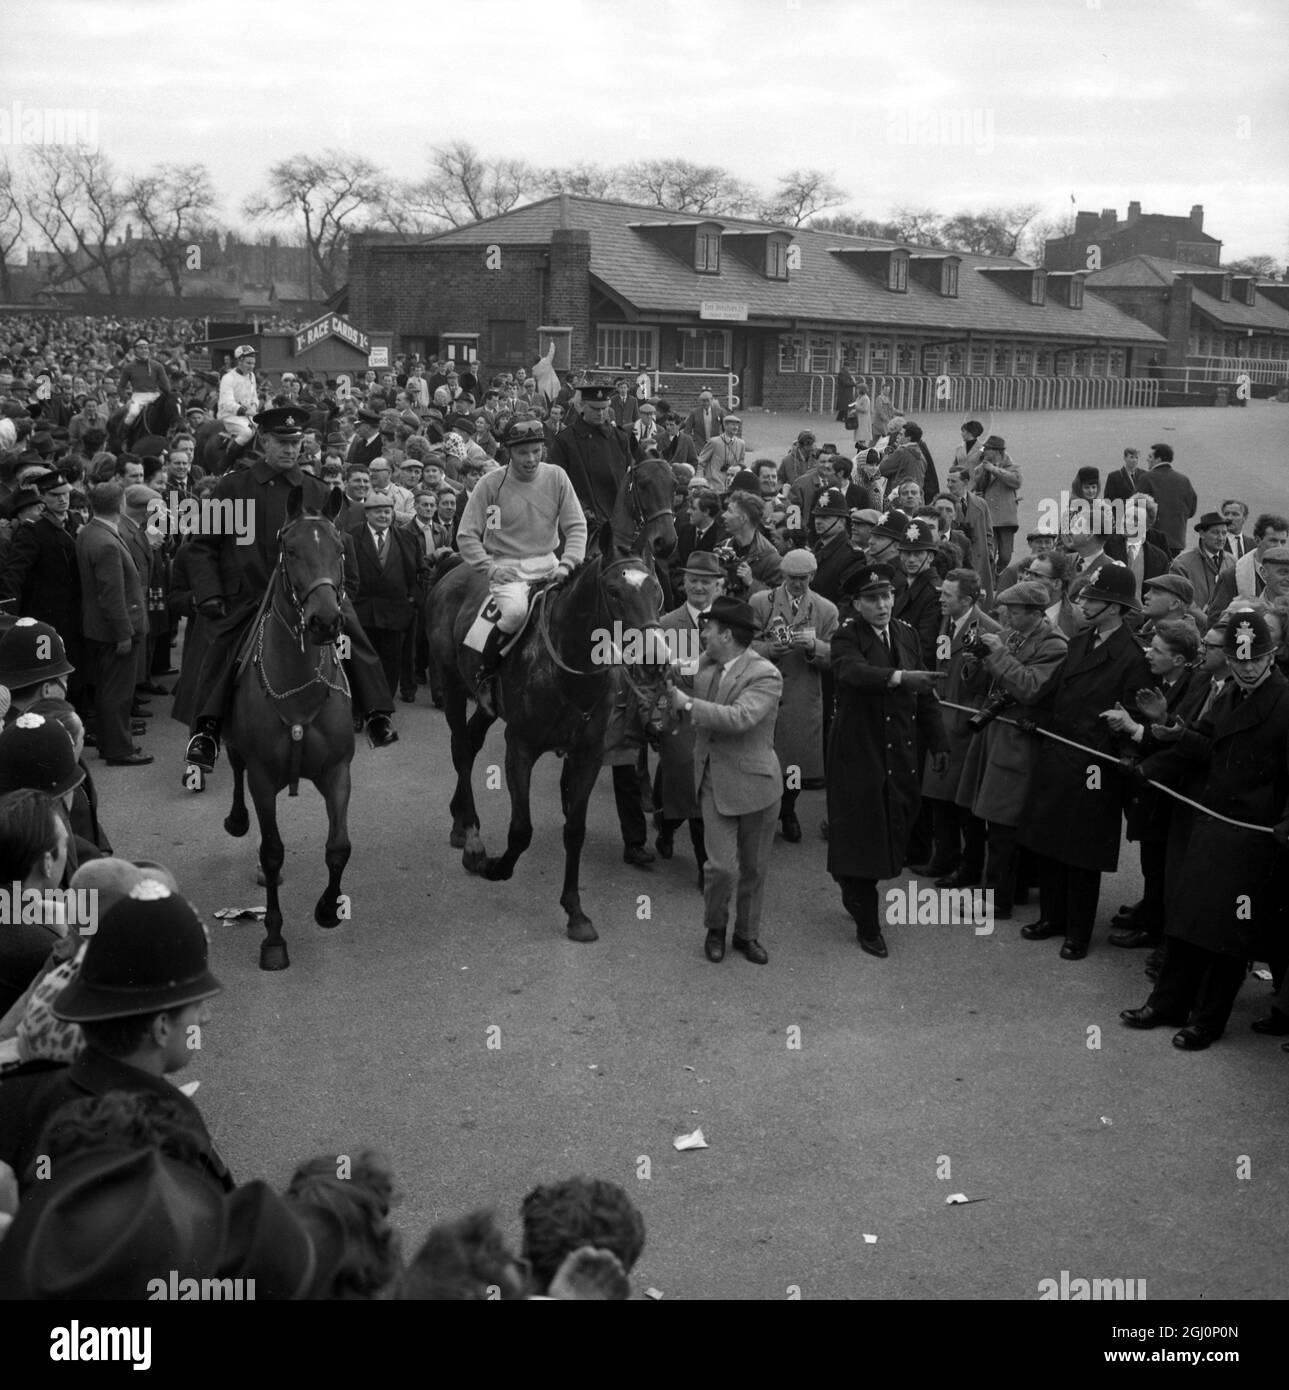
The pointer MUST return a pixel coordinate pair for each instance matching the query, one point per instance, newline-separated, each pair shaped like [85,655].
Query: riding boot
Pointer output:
[203,747]
[485,685]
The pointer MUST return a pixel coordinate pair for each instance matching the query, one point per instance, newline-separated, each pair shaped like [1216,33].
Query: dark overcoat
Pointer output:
[918,604]
[41,575]
[873,788]
[677,797]
[1149,810]
[966,683]
[1075,815]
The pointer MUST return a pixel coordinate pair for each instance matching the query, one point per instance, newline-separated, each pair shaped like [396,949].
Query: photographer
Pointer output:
[750,561]
[999,761]
[958,860]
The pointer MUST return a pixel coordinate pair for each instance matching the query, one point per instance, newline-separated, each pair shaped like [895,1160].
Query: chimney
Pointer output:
[1109,216]
[1134,211]
[1197,216]
[1084,222]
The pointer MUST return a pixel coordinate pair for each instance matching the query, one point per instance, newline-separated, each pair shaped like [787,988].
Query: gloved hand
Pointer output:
[1026,725]
[1131,769]
[1280,834]
[212,608]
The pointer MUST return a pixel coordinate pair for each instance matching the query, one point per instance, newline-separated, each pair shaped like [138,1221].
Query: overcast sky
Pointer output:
[944,103]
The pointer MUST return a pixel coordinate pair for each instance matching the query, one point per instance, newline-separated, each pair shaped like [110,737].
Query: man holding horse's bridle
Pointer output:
[144,379]
[230,579]
[510,531]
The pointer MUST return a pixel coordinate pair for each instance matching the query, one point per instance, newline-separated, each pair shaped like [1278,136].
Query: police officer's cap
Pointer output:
[1247,636]
[283,422]
[867,579]
[31,652]
[831,502]
[918,535]
[894,525]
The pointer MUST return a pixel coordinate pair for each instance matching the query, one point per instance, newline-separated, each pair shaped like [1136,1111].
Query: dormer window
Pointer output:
[949,277]
[707,252]
[1076,293]
[1038,290]
[776,259]
[1226,289]
[898,275]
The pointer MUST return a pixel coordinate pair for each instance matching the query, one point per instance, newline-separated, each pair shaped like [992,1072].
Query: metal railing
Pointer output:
[953,394]
[1261,371]
[827,391]
[682,388]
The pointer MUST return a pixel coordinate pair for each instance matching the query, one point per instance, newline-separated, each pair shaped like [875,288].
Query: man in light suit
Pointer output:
[1208,561]
[733,710]
[1247,580]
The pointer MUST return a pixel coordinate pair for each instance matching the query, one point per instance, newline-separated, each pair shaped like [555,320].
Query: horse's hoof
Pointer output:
[581,930]
[263,882]
[325,914]
[457,839]
[237,825]
[273,956]
[496,871]
[474,861]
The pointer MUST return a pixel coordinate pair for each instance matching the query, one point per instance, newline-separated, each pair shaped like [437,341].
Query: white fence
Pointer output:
[958,395]
[1223,371]
[682,388]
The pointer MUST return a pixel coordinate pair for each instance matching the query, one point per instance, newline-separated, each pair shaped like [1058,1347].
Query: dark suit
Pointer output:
[41,575]
[596,461]
[1073,819]
[30,1095]
[625,412]
[388,595]
[702,429]
[918,604]
[112,611]
[687,542]
[1177,504]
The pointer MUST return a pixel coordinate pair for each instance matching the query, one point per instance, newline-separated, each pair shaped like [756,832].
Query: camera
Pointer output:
[989,711]
[972,644]
[730,562]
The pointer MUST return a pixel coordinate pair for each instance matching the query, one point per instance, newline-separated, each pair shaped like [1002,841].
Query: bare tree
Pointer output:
[921,226]
[799,195]
[679,186]
[401,209]
[854,225]
[327,197]
[81,207]
[11,225]
[1033,245]
[174,204]
[994,231]
[585,181]
[464,186]
[1250,265]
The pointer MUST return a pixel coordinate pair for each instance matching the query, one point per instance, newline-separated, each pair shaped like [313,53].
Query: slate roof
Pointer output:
[826,290]
[1262,314]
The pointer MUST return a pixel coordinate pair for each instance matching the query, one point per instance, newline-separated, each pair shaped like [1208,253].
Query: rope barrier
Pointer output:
[1111,758]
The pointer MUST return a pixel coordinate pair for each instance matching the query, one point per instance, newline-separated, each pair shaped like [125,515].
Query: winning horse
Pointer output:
[555,695]
[291,714]
[157,418]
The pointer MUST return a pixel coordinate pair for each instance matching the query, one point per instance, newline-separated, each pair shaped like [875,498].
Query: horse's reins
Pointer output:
[282,583]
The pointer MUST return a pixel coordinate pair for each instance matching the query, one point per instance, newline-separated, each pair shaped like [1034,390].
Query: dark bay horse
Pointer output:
[555,690]
[157,418]
[291,715]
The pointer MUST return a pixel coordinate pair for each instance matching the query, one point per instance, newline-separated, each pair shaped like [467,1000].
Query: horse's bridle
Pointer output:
[297,601]
[637,508]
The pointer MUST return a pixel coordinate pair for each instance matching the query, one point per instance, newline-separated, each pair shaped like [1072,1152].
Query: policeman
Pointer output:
[229,580]
[594,452]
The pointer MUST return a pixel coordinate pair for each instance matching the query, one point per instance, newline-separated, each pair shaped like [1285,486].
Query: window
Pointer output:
[980,353]
[1099,362]
[821,352]
[949,279]
[852,354]
[705,349]
[507,340]
[1076,293]
[879,355]
[931,360]
[1043,361]
[906,357]
[1079,365]
[1226,289]
[776,259]
[621,347]
[791,353]
[1038,288]
[1117,361]
[1024,359]
[707,253]
[954,359]
[899,272]
[1001,359]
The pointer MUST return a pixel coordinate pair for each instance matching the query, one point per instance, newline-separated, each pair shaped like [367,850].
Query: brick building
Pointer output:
[630,288]
[1099,240]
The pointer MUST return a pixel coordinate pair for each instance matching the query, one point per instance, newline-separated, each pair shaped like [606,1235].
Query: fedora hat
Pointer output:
[1209,520]
[731,612]
[703,562]
[149,954]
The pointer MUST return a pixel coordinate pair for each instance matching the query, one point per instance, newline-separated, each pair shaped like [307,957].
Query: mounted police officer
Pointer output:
[230,579]
[594,452]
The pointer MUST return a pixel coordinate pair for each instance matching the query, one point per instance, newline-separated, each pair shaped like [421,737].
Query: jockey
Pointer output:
[239,396]
[144,379]
[510,531]
[230,575]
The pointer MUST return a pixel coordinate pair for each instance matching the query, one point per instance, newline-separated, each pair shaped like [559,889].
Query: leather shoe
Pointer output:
[1127,910]
[152,688]
[932,870]
[714,947]
[1040,930]
[380,732]
[791,829]
[1073,950]
[1276,1024]
[407,699]
[874,945]
[959,878]
[1194,1038]
[140,712]
[665,846]
[753,950]
[1144,1017]
[135,759]
[1133,940]
[638,855]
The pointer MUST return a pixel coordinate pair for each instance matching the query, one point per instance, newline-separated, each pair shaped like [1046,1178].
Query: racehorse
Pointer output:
[554,693]
[291,714]
[158,417]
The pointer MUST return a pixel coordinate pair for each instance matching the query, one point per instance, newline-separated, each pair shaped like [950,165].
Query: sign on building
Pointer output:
[724,309]
[378,357]
[331,326]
